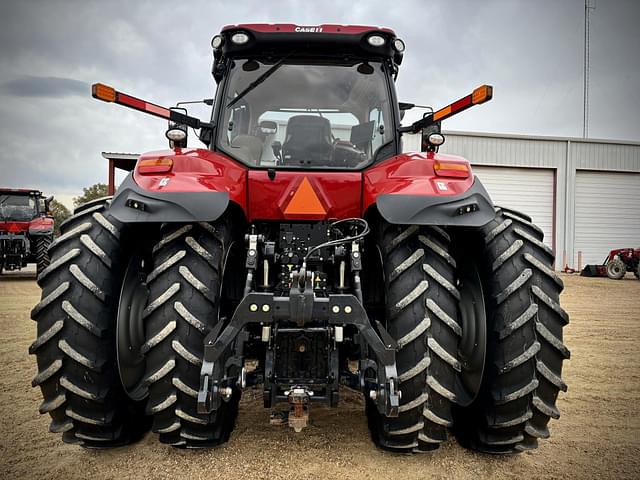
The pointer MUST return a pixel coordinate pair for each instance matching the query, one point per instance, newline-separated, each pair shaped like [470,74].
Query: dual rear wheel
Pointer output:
[169,309]
[479,329]
[434,308]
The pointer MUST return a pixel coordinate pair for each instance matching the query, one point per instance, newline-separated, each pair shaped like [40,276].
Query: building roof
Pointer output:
[122,161]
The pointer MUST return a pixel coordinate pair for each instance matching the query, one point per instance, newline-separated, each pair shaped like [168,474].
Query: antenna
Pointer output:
[585,108]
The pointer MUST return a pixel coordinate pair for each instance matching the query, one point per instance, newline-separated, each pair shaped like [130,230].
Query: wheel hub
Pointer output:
[130,334]
[473,344]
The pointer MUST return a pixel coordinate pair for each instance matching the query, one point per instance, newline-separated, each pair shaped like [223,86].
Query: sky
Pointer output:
[52,131]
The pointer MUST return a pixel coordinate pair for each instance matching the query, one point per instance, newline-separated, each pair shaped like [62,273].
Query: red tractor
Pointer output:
[303,252]
[26,229]
[616,265]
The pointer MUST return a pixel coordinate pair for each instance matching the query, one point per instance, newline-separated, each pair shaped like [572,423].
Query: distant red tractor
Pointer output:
[301,252]
[616,265]
[26,229]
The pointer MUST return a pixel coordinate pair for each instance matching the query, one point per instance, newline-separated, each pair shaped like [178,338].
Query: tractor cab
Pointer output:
[18,206]
[302,97]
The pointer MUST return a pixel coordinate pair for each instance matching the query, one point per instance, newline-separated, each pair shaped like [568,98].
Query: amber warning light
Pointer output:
[103,92]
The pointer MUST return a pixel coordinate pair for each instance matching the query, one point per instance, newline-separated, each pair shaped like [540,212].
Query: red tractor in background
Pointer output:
[616,265]
[301,251]
[26,229]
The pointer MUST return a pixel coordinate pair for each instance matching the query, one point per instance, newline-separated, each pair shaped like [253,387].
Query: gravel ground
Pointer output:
[598,435]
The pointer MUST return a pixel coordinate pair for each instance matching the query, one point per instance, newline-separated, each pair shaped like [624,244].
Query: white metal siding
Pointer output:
[529,190]
[607,213]
[605,156]
[506,151]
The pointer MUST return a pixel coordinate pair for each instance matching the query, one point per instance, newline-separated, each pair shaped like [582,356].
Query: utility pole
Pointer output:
[585,106]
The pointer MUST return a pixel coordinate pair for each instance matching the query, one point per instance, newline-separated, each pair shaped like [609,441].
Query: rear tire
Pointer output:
[616,269]
[184,287]
[75,347]
[421,312]
[525,350]
[42,253]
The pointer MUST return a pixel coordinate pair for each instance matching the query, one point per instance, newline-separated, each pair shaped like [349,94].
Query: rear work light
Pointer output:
[155,165]
[451,169]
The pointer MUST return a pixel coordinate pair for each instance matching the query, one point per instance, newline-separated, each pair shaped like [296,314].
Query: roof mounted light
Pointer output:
[398,45]
[376,40]
[217,41]
[240,38]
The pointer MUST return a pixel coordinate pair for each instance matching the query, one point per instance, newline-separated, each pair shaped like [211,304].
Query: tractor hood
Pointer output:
[8,226]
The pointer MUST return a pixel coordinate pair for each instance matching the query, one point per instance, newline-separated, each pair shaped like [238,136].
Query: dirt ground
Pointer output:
[598,435]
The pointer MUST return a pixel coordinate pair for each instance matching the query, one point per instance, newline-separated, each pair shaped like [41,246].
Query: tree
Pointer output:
[60,214]
[93,192]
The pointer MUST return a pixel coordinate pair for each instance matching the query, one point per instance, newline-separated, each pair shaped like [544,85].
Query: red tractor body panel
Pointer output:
[329,194]
[14,227]
[412,174]
[41,225]
[37,225]
[332,195]
[196,170]
[626,254]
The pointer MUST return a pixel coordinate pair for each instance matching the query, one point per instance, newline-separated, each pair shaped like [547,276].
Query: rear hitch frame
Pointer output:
[266,309]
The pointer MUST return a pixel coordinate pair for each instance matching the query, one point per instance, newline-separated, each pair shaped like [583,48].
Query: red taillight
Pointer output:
[451,169]
[155,165]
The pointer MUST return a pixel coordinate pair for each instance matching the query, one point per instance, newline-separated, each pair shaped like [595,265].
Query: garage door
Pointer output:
[607,213]
[529,190]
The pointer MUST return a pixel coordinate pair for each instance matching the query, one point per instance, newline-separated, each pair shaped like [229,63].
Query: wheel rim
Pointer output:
[473,344]
[615,269]
[130,330]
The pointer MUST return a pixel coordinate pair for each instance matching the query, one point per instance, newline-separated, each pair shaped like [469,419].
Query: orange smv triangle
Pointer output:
[305,201]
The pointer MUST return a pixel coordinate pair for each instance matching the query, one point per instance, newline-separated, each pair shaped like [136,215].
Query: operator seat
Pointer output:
[247,148]
[308,141]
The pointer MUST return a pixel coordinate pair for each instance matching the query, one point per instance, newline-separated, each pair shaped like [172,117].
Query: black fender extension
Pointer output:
[473,208]
[133,204]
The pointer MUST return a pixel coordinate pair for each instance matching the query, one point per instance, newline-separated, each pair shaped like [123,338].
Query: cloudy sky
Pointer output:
[52,132]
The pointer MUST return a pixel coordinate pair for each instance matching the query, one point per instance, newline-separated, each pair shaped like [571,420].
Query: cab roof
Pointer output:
[326,40]
[20,191]
[327,28]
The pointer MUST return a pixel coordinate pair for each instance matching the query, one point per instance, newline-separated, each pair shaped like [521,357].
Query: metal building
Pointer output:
[585,194]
